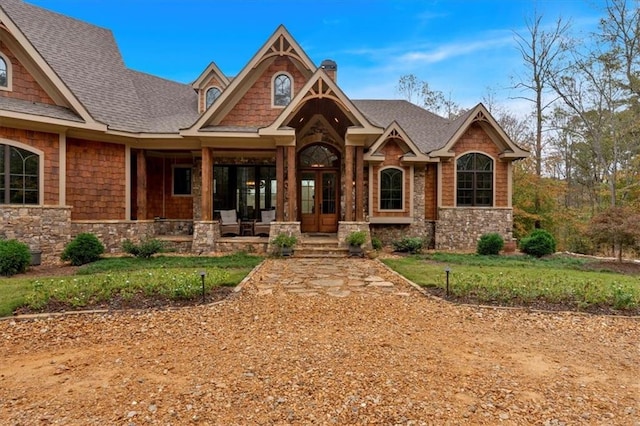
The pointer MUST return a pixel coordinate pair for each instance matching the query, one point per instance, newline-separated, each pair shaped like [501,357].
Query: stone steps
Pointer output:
[321,246]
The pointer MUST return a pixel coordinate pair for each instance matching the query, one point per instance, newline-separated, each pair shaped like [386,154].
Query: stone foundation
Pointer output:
[390,233]
[289,228]
[112,233]
[45,229]
[460,228]
[346,228]
[205,234]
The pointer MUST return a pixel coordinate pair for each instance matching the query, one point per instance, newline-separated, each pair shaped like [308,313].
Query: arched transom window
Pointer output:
[318,156]
[474,180]
[391,189]
[282,91]
[212,94]
[19,175]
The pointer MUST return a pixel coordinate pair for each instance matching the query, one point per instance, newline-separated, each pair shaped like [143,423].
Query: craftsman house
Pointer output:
[89,145]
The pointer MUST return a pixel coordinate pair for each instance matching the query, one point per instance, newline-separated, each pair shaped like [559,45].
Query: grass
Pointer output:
[522,280]
[126,278]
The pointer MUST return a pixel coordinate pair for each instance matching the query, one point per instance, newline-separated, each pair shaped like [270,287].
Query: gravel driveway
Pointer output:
[352,351]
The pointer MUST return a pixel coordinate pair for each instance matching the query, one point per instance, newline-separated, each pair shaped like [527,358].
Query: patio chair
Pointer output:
[229,223]
[263,227]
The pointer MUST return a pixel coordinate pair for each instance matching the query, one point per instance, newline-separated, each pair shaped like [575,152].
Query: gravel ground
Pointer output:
[284,358]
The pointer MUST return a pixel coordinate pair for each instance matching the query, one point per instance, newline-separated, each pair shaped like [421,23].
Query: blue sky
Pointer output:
[461,47]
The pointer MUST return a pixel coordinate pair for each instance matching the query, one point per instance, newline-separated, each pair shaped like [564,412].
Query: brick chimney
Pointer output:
[331,68]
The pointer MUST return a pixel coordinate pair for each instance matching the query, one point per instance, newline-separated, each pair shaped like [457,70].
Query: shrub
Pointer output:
[15,257]
[376,243]
[357,238]
[145,249]
[85,248]
[408,244]
[489,244]
[539,243]
[284,240]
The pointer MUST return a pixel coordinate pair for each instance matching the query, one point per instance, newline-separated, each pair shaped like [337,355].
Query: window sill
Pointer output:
[391,220]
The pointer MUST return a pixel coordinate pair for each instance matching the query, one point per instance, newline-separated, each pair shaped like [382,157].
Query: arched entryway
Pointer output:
[319,188]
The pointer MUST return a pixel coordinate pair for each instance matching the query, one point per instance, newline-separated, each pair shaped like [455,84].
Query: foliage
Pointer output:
[409,244]
[145,249]
[15,257]
[420,93]
[490,244]
[522,280]
[84,248]
[284,240]
[356,238]
[539,243]
[617,226]
[376,243]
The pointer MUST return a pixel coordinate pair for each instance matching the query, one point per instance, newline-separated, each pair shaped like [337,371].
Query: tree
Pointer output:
[541,52]
[617,226]
[420,93]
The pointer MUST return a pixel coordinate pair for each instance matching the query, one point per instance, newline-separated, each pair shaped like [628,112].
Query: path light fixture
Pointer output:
[447,270]
[202,274]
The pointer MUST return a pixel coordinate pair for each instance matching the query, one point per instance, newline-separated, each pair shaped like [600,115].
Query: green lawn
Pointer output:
[166,277]
[522,281]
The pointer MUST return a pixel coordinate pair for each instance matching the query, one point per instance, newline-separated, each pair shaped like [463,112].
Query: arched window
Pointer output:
[391,193]
[474,180]
[4,72]
[19,175]
[212,94]
[316,156]
[282,90]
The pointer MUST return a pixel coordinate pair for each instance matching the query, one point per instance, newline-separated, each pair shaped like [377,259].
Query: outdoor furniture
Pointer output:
[263,227]
[246,227]
[229,223]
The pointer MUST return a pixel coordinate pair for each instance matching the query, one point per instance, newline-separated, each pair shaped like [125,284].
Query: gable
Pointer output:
[21,84]
[394,133]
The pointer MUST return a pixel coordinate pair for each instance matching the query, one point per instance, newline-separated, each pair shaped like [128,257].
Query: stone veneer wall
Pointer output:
[460,228]
[390,233]
[345,228]
[44,229]
[289,228]
[205,234]
[112,233]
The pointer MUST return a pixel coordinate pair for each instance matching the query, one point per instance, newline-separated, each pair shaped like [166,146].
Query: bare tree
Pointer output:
[420,93]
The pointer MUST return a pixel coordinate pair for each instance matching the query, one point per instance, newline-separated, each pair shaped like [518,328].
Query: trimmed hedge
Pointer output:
[15,257]
[85,248]
[539,243]
[490,244]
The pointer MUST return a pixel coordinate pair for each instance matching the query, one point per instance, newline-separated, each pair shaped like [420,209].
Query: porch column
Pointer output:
[207,182]
[141,187]
[280,183]
[359,184]
[291,180]
[348,184]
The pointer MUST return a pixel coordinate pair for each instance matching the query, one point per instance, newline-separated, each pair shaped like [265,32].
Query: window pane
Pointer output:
[212,94]
[282,90]
[391,189]
[465,162]
[483,162]
[318,156]
[328,193]
[308,193]
[223,188]
[267,188]
[246,192]
[3,73]
[182,180]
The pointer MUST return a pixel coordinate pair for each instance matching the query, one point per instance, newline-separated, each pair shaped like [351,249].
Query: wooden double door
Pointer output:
[319,200]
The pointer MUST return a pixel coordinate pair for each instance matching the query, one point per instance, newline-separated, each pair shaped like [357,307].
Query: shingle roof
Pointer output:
[426,129]
[87,59]
[36,108]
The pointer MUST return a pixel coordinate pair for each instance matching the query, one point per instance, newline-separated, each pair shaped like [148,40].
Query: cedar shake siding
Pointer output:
[24,86]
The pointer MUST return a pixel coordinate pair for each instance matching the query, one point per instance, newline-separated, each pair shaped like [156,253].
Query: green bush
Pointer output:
[357,238]
[85,248]
[15,257]
[490,244]
[284,240]
[145,249]
[408,244]
[376,243]
[539,243]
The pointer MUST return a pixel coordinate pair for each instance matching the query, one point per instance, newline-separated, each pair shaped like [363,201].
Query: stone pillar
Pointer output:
[141,186]
[359,184]
[280,183]
[348,183]
[207,184]
[291,181]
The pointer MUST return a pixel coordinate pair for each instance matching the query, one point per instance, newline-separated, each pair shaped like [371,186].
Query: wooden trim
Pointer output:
[392,220]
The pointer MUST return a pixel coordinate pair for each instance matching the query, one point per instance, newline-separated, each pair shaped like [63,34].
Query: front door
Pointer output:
[319,201]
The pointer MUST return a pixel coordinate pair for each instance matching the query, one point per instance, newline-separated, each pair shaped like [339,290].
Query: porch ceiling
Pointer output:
[325,107]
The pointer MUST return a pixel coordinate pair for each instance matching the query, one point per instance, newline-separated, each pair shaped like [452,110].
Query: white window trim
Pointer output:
[40,155]
[205,96]
[173,179]
[455,181]
[404,193]
[273,88]
[9,86]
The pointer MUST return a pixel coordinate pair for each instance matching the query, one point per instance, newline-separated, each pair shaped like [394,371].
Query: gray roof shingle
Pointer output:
[36,108]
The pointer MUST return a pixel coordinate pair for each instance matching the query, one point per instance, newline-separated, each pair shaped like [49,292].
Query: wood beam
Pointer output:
[141,185]
[280,183]
[348,183]
[207,184]
[291,181]
[359,184]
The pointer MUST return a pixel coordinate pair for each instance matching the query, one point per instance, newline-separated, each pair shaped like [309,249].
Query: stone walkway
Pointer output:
[336,277]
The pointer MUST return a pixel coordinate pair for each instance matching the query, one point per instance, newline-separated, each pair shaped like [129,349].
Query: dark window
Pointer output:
[181,180]
[475,180]
[281,90]
[3,73]
[318,156]
[212,94]
[246,189]
[391,189]
[19,176]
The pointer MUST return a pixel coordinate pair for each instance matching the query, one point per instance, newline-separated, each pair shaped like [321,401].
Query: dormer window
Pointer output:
[5,73]
[212,94]
[282,91]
